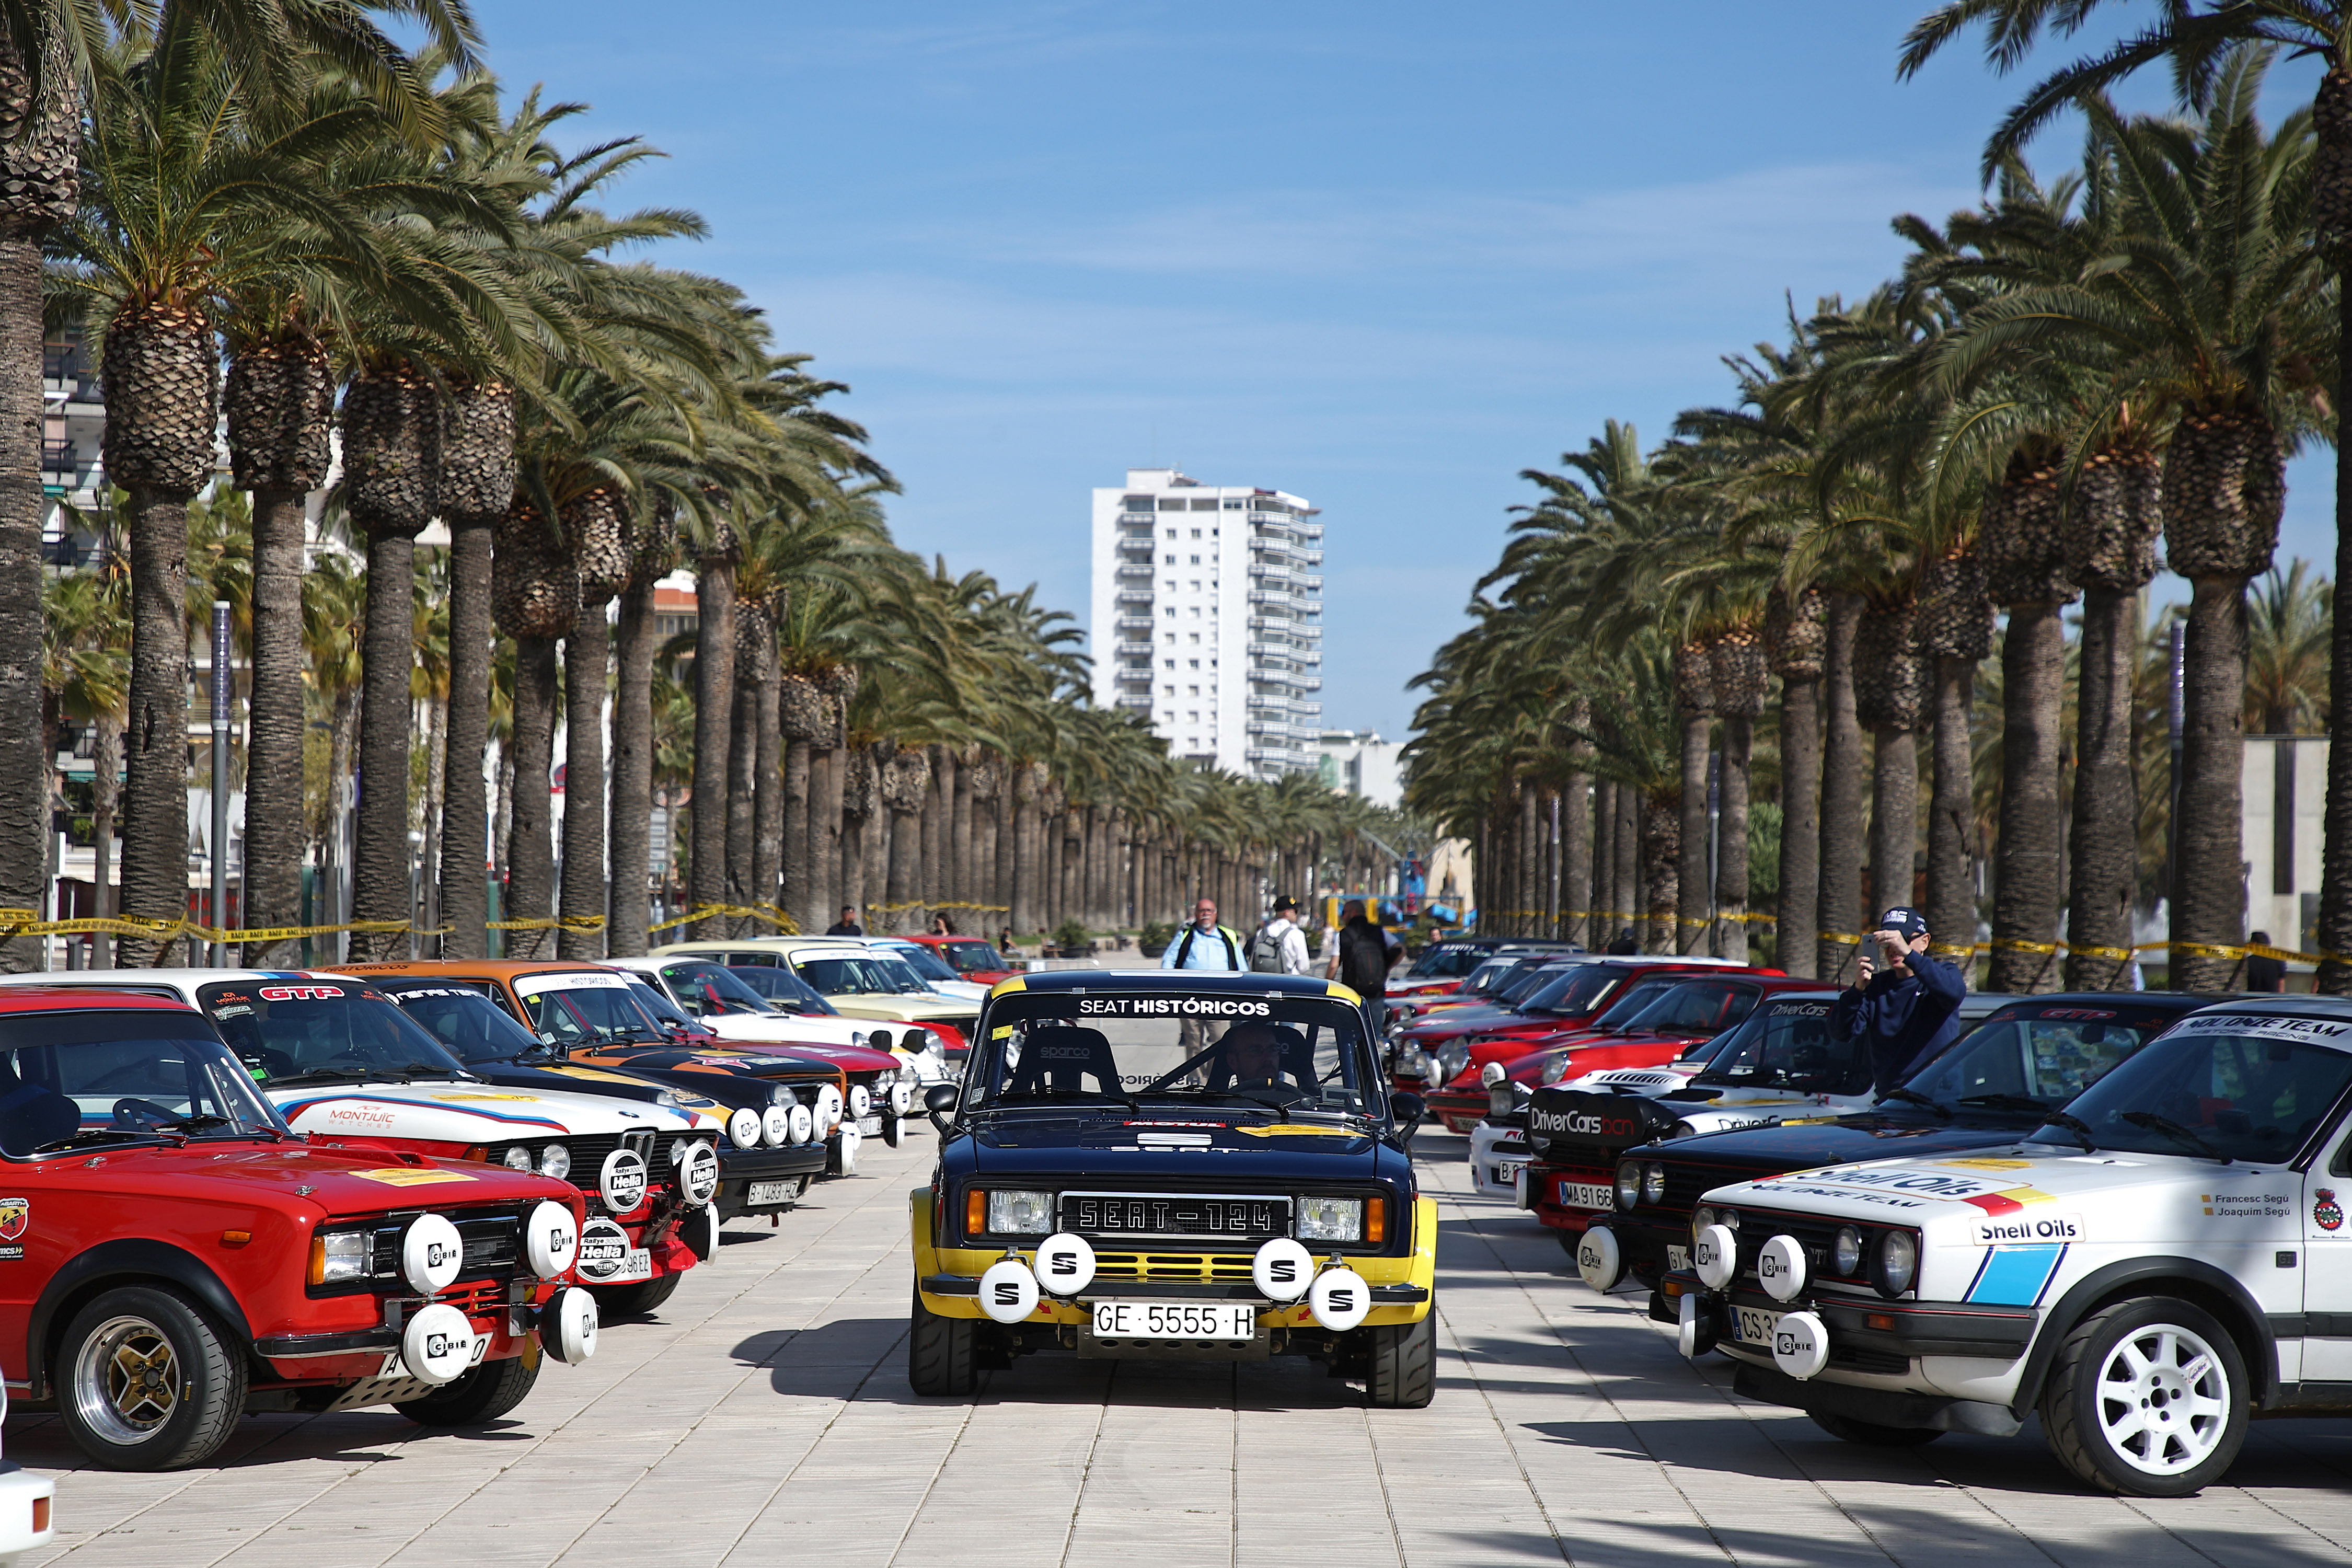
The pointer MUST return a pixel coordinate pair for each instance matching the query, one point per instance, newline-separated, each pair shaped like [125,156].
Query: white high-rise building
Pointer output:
[1208,617]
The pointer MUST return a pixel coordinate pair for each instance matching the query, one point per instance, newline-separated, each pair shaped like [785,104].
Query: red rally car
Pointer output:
[1656,1018]
[1570,995]
[172,1256]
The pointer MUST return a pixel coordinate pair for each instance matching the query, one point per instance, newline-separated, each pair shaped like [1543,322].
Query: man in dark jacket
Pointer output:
[1904,1004]
[1361,964]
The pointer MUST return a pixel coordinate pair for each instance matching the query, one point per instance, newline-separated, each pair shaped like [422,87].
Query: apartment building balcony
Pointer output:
[1139,520]
[1138,627]
[1308,585]
[1137,572]
[1140,704]
[1136,596]
[1273,598]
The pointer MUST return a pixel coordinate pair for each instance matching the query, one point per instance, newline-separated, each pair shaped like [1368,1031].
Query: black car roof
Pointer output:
[1223,983]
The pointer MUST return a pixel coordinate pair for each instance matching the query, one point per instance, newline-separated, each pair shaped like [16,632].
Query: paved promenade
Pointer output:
[763,1416]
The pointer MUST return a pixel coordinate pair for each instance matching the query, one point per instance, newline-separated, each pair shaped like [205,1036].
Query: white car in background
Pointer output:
[716,997]
[25,1520]
[934,969]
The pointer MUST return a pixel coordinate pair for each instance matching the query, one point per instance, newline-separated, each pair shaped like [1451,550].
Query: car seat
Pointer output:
[1057,1058]
[32,1114]
[1291,1051]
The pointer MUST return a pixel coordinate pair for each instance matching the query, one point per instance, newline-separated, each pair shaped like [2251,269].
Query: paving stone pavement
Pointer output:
[763,1415]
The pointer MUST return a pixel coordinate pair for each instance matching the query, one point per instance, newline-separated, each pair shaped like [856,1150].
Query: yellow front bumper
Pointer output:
[1172,1266]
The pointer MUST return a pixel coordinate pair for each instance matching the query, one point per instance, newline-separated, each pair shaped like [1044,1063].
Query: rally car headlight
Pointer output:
[339,1255]
[1017,1213]
[1330,1219]
[1654,1183]
[518,1158]
[1629,1184]
[1898,1262]
[1499,1101]
[857,1038]
[1701,1217]
[1845,1252]
[1555,1068]
[555,1161]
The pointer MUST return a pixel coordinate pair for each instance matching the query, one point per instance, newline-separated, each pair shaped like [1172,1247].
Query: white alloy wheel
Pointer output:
[2164,1400]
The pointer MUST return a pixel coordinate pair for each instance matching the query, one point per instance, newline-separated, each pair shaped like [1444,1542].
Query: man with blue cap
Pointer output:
[1904,1002]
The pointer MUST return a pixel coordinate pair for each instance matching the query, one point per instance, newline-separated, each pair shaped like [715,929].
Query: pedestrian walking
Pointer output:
[1279,947]
[1361,965]
[1903,1002]
[2263,972]
[1203,943]
[846,925]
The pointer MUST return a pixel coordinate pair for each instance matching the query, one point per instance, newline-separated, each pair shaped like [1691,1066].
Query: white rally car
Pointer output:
[2164,1259]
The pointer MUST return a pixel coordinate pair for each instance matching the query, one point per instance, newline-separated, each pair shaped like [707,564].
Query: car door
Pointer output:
[2327,1261]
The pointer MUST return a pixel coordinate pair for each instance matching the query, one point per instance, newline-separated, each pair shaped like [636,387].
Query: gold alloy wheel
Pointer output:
[126,1381]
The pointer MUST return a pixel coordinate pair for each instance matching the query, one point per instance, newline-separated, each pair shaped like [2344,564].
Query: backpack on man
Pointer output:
[1265,952]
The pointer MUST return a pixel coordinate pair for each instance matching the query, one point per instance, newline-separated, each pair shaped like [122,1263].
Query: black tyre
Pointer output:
[481,1394]
[146,1383]
[1405,1364]
[1568,1240]
[634,1301]
[939,1352]
[1871,1434]
[2148,1397]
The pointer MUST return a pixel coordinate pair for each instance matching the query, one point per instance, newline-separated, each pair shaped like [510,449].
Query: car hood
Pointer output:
[572,1077]
[744,1058]
[1804,1144]
[1953,1197]
[457,1111]
[849,1059]
[1119,1148]
[304,1181]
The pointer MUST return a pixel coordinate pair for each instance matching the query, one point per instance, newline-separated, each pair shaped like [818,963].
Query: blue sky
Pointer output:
[1385,256]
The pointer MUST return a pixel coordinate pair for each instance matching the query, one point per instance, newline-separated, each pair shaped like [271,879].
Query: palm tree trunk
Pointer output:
[767,779]
[1604,865]
[963,847]
[274,726]
[437,762]
[1951,906]
[2209,898]
[586,885]
[2026,863]
[1576,851]
[1630,892]
[1689,934]
[530,844]
[1839,905]
[464,873]
[825,829]
[1894,814]
[380,868]
[2335,935]
[106,790]
[930,880]
[714,707]
[1796,926]
[1661,865]
[1731,865]
[742,787]
[155,783]
[2103,850]
[799,847]
[628,910]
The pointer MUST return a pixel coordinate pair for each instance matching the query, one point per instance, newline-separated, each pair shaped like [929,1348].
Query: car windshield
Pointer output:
[1696,1008]
[973,957]
[2238,1085]
[2027,1056]
[1632,1003]
[783,987]
[923,961]
[474,1028]
[1288,1055]
[1445,962]
[1533,977]
[583,1007]
[1788,1045]
[660,1009]
[294,1031]
[1577,991]
[79,1078]
[705,989]
[858,974]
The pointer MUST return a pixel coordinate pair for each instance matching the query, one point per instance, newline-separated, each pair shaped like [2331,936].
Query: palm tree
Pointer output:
[2288,635]
[2197,45]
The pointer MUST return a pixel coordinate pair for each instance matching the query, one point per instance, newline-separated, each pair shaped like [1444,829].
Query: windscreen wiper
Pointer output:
[2077,1126]
[2025,1102]
[1912,1097]
[2177,1133]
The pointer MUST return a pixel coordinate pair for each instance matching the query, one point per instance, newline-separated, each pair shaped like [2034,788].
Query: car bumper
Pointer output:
[25,1520]
[1403,1286]
[1543,1195]
[1459,1112]
[1933,1349]
[740,1169]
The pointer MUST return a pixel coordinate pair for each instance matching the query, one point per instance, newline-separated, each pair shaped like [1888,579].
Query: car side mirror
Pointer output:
[941,1099]
[1406,1110]
[878,1040]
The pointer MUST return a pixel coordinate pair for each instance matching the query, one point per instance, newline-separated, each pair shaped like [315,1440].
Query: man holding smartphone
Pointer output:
[1904,1002]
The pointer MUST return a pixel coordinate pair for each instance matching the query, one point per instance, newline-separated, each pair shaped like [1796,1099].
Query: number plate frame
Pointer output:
[1755,1326]
[1593,1197]
[1190,1322]
[758,1195]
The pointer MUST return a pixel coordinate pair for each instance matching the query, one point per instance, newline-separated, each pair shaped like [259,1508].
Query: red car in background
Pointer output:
[1567,994]
[1442,966]
[970,957]
[1656,1018]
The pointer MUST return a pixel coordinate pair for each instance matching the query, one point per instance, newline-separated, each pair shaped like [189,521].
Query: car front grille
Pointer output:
[1175,1268]
[1816,1235]
[589,1152]
[1238,1219]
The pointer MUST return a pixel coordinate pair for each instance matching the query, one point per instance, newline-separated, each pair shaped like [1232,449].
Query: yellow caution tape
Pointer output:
[550,922]
[784,923]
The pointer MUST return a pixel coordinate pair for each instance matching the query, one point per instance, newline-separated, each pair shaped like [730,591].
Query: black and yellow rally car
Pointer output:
[1174,1164]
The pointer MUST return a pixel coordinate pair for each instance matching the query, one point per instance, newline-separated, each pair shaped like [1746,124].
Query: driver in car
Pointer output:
[1252,1054]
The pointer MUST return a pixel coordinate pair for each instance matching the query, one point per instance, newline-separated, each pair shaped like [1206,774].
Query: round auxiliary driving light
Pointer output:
[551,1240]
[776,1127]
[1282,1269]
[902,1099]
[828,1109]
[1693,1327]
[743,1127]
[430,1252]
[1340,1298]
[697,1174]
[860,1102]
[852,1141]
[567,1326]
[1600,1259]
[1780,1267]
[622,1182]
[1066,1264]
[1008,1291]
[803,1123]
[437,1344]
[1715,1254]
[1800,1344]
